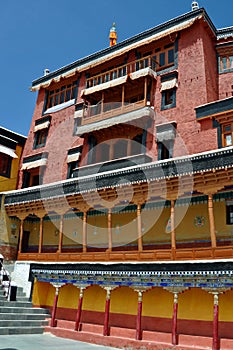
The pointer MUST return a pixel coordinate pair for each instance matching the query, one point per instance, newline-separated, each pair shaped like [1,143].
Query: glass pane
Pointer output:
[228,140]
[171,56]
[162,59]
[227,128]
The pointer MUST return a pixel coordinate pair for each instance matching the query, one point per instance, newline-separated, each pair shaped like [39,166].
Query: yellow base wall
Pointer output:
[194,304]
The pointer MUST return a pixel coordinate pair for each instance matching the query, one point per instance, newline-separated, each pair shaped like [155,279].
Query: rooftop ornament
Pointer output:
[113,35]
[195,5]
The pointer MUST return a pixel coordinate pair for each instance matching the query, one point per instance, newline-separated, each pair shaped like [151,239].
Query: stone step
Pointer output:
[26,316]
[21,330]
[22,310]
[23,323]
[15,303]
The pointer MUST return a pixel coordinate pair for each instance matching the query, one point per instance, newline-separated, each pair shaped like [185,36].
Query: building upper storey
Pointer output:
[137,98]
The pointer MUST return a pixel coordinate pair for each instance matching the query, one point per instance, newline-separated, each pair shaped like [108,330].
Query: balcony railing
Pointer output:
[198,253]
[145,62]
[95,113]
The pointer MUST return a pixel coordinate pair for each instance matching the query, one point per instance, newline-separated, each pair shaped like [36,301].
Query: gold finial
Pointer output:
[113,35]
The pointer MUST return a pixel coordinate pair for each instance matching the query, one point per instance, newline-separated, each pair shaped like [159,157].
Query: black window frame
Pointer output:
[5,173]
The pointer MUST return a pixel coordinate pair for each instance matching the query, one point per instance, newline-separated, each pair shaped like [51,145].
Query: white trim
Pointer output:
[123,118]
[8,151]
[143,73]
[169,84]
[73,157]
[41,126]
[100,87]
[35,164]
[59,107]
[185,24]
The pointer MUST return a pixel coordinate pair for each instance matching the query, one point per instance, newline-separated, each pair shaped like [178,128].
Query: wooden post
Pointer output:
[61,233]
[123,97]
[110,230]
[139,221]
[215,324]
[145,91]
[174,320]
[173,232]
[84,232]
[21,234]
[139,317]
[106,314]
[211,221]
[53,318]
[41,235]
[79,311]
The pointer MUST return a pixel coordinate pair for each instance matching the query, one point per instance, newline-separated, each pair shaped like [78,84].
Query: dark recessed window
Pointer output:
[63,94]
[168,98]
[40,138]
[5,165]
[229,214]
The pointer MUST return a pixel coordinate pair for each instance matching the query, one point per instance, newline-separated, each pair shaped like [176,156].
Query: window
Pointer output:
[165,57]
[225,63]
[165,149]
[40,138]
[32,177]
[63,94]
[229,214]
[71,167]
[165,135]
[227,134]
[169,84]
[168,99]
[5,165]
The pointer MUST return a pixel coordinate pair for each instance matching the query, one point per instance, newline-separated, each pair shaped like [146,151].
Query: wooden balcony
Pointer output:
[124,70]
[94,114]
[199,253]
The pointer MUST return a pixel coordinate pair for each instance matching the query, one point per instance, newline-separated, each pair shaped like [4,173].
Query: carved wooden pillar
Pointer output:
[61,233]
[145,90]
[22,218]
[84,231]
[106,331]
[211,220]
[123,96]
[110,229]
[21,235]
[174,320]
[139,317]
[41,216]
[176,291]
[173,231]
[215,345]
[79,310]
[139,222]
[55,301]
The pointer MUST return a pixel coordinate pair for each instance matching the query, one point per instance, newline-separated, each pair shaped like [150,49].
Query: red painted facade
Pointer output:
[198,83]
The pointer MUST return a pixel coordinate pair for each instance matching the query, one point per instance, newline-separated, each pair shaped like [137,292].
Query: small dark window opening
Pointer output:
[5,165]
[229,214]
[40,138]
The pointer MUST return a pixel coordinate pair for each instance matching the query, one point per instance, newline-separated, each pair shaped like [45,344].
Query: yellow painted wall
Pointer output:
[154,225]
[226,306]
[94,299]
[196,304]
[68,297]
[7,184]
[185,222]
[124,227]
[43,294]
[157,302]
[124,301]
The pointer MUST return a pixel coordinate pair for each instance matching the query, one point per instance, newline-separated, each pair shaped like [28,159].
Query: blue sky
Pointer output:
[38,34]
